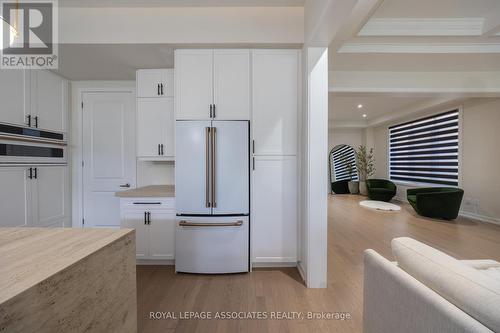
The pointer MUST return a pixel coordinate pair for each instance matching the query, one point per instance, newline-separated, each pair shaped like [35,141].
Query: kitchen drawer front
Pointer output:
[211,245]
[142,204]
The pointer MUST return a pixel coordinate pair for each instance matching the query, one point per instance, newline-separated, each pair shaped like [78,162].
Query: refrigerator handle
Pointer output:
[207,167]
[214,166]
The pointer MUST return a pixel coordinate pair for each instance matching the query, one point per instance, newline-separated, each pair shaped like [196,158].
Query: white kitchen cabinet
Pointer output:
[15,96]
[49,99]
[154,222]
[34,196]
[274,209]
[15,197]
[49,195]
[162,235]
[275,96]
[137,221]
[212,84]
[232,84]
[193,84]
[155,128]
[155,83]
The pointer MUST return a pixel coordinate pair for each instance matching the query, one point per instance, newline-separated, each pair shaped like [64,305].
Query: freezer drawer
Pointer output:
[212,245]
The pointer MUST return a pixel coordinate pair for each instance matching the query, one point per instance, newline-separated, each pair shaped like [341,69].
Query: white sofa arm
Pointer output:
[481,264]
[394,301]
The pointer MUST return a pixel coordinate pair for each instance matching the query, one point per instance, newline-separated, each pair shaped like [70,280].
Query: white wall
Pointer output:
[353,137]
[155,173]
[480,157]
[182,25]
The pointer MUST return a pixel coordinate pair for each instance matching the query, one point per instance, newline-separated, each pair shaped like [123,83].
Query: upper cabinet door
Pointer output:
[168,121]
[15,96]
[275,101]
[155,83]
[232,84]
[194,84]
[49,101]
[15,197]
[151,114]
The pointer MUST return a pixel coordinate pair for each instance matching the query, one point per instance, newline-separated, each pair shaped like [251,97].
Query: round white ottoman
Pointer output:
[379,205]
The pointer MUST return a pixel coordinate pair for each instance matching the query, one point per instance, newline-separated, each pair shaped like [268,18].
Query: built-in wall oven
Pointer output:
[24,145]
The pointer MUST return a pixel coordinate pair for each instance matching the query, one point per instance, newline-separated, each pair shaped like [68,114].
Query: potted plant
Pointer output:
[366,167]
[349,166]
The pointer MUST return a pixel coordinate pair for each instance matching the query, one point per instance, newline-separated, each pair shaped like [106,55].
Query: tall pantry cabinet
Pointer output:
[275,113]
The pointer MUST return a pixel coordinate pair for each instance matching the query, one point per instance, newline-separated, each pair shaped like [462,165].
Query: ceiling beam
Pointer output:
[427,48]
[360,15]
[323,19]
[462,83]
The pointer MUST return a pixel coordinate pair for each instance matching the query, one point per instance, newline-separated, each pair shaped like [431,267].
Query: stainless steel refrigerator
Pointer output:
[212,179]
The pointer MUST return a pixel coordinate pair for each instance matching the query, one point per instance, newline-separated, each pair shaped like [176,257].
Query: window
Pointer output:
[425,150]
[341,157]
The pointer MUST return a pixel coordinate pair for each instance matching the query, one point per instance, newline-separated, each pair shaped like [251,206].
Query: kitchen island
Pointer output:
[67,280]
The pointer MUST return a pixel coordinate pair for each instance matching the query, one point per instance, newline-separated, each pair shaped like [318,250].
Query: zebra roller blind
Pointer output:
[426,150]
[340,156]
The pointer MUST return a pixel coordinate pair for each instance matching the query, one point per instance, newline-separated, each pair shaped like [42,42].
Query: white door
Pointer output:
[192,167]
[137,221]
[152,116]
[109,154]
[274,209]
[50,195]
[15,96]
[49,100]
[162,235]
[149,82]
[194,84]
[232,160]
[211,245]
[232,84]
[275,114]
[15,197]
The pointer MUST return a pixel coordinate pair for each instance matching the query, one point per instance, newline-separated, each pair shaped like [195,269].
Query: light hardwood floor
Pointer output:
[352,229]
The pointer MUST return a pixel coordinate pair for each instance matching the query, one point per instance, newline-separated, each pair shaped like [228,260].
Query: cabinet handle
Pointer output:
[36,122]
[149,218]
[194,224]
[147,203]
[161,86]
[158,91]
[36,173]
[145,218]
[125,185]
[211,111]
[31,173]
[161,146]
[214,114]
[29,120]
[159,149]
[253,146]
[253,163]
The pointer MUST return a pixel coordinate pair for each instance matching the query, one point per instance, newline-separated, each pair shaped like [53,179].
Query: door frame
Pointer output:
[78,88]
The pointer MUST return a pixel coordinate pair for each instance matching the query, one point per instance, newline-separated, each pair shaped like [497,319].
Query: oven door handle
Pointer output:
[194,224]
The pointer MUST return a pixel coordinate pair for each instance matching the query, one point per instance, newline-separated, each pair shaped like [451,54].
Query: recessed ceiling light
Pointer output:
[364,115]
[360,106]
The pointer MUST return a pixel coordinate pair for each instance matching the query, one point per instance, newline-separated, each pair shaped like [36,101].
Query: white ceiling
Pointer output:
[345,108]
[181,3]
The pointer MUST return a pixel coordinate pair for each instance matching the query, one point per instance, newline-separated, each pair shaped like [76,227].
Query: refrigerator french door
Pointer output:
[212,196]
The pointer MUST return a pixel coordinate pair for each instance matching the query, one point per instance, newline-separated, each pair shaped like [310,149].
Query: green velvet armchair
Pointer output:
[380,189]
[436,202]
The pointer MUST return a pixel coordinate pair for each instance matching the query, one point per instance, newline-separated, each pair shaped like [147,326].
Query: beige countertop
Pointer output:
[153,191]
[28,256]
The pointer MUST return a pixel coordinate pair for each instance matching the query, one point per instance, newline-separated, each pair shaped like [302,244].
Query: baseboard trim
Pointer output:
[479,217]
[274,264]
[301,272]
[156,262]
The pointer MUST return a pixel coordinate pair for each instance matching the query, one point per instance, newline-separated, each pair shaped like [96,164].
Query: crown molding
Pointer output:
[354,47]
[468,26]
